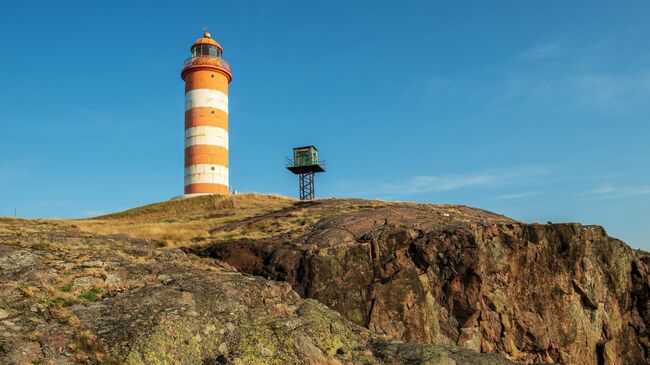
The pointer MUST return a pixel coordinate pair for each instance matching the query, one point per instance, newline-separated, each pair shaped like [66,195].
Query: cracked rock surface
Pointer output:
[71,297]
[453,275]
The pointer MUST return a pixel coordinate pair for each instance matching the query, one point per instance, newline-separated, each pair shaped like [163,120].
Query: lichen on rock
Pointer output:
[166,308]
[564,293]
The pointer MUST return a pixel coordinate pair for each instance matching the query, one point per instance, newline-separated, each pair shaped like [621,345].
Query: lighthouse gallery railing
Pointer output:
[206,60]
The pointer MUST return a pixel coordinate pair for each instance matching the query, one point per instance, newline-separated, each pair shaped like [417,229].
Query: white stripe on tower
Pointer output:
[206,174]
[206,135]
[206,98]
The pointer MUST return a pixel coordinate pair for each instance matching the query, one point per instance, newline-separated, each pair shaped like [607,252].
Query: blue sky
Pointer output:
[538,110]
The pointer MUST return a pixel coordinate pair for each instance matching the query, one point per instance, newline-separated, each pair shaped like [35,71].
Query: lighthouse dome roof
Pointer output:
[207,39]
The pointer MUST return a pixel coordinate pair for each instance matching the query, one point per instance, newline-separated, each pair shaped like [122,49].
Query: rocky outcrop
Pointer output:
[71,297]
[564,293]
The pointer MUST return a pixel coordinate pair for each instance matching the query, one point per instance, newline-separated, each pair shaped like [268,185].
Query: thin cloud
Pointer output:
[611,91]
[94,213]
[605,189]
[609,191]
[543,51]
[638,191]
[518,195]
[452,182]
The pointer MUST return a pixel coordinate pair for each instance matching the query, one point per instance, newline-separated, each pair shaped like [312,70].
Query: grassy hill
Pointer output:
[176,223]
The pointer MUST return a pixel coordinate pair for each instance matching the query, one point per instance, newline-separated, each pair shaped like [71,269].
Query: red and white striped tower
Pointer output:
[206,77]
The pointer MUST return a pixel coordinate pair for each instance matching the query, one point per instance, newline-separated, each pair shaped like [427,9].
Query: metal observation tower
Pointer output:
[305,164]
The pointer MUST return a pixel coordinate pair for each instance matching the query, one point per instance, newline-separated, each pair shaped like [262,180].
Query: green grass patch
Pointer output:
[64,302]
[92,294]
[67,288]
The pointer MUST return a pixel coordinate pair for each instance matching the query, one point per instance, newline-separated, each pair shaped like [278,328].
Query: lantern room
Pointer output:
[206,47]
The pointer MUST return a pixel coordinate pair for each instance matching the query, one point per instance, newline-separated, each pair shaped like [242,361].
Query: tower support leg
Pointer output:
[307,186]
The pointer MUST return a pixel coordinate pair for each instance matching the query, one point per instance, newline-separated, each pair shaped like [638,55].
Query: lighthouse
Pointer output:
[206,75]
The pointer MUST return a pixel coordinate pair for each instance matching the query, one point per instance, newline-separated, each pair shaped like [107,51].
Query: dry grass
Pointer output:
[174,223]
[294,223]
[200,206]
[177,223]
[185,222]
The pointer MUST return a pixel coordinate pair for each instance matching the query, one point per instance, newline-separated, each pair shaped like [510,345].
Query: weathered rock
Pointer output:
[563,293]
[165,307]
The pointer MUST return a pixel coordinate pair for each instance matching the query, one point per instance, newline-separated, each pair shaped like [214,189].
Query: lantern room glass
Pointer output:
[206,50]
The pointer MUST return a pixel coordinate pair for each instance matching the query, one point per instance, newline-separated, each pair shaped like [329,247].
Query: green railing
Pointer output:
[290,162]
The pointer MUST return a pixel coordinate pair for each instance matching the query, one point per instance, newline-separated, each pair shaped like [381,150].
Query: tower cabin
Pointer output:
[305,163]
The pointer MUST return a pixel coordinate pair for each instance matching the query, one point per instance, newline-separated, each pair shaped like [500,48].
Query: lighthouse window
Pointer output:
[206,50]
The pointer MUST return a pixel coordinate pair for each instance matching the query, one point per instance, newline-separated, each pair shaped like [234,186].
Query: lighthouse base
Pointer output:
[194,195]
